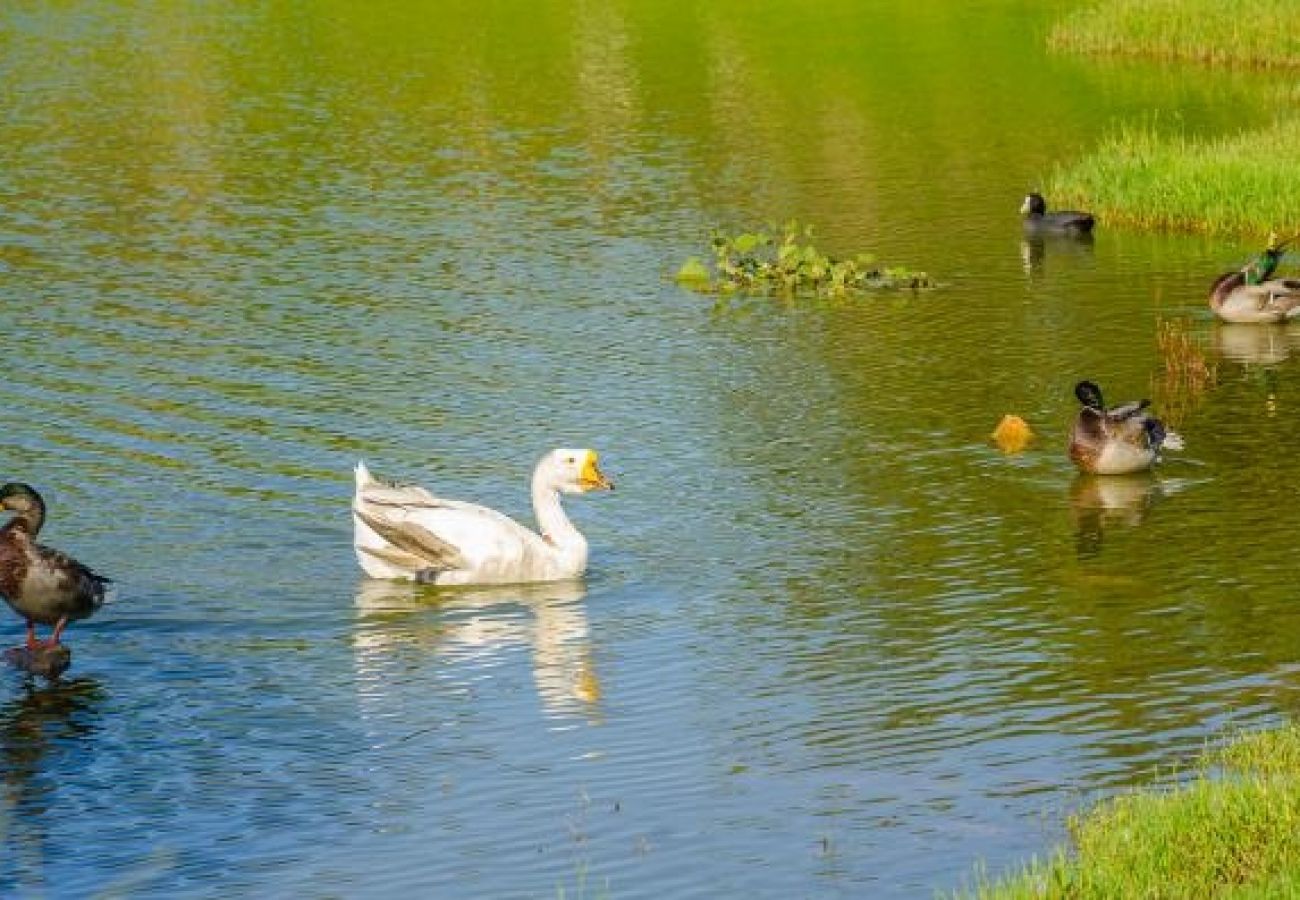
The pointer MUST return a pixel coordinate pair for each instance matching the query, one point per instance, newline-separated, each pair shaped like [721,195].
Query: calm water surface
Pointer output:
[831,644]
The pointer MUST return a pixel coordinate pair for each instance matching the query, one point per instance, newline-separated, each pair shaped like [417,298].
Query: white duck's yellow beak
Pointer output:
[591,478]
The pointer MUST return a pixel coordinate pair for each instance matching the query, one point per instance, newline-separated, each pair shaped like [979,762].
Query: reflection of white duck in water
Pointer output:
[475,626]
[404,531]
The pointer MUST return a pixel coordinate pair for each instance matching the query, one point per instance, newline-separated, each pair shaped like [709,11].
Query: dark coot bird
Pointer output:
[40,583]
[1039,221]
[1252,295]
[1119,440]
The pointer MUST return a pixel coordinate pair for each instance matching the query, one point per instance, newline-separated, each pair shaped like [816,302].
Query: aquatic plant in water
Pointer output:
[785,262]
[1186,374]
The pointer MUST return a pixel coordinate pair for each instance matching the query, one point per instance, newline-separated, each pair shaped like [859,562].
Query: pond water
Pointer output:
[832,643]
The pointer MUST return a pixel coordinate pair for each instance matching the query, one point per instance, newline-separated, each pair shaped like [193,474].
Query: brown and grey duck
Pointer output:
[40,583]
[1118,440]
[1252,295]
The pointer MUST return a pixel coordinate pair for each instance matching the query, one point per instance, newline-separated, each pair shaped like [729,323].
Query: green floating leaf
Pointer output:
[693,273]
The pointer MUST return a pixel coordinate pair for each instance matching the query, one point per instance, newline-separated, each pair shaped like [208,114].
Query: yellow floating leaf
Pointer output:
[1013,434]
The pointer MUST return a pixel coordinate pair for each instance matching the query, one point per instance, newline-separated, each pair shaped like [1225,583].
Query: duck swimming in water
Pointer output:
[40,583]
[1037,220]
[404,531]
[1119,440]
[1252,295]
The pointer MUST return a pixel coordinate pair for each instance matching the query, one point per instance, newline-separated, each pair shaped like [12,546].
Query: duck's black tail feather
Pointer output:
[93,585]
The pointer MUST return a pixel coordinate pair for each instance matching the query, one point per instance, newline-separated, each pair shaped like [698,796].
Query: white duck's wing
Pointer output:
[409,544]
[385,547]
[391,494]
[484,536]
[464,543]
[405,531]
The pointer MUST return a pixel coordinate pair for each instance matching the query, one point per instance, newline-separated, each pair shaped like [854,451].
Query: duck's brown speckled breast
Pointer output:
[15,547]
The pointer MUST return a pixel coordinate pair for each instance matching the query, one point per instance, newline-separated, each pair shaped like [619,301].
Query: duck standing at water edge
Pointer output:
[1116,441]
[1251,295]
[403,531]
[1037,220]
[40,583]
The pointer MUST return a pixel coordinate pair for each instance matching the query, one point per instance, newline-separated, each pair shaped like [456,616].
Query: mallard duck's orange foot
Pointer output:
[58,632]
[34,643]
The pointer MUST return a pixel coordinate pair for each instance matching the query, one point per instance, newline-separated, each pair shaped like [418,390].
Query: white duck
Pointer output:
[403,531]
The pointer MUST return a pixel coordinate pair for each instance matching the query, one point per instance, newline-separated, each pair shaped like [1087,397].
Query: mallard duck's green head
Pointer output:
[1089,395]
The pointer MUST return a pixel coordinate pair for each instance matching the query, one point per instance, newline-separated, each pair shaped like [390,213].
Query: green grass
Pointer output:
[1224,32]
[1240,184]
[1233,830]
[1244,183]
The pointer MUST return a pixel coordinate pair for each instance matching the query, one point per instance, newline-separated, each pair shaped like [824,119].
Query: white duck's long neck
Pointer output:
[555,525]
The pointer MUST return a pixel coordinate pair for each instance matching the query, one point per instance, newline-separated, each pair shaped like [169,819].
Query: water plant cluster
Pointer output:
[1227,830]
[783,261]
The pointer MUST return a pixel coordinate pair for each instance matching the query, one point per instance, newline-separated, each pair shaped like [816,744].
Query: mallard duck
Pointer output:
[1038,220]
[403,531]
[42,584]
[1119,440]
[1251,295]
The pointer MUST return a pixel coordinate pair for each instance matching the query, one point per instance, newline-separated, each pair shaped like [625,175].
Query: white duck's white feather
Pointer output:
[404,531]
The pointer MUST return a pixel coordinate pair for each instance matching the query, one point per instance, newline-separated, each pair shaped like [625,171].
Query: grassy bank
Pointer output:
[1244,183]
[1225,32]
[1240,184]
[1233,830]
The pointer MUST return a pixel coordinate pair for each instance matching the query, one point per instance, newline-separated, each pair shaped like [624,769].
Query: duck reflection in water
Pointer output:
[473,625]
[1034,249]
[1098,502]
[1259,345]
[44,736]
